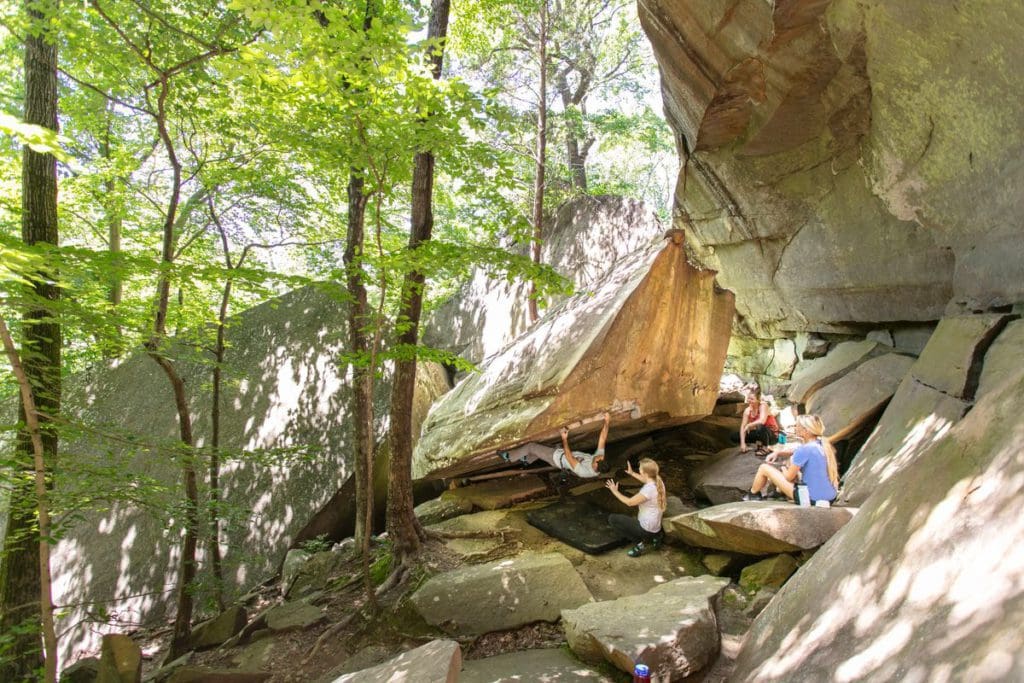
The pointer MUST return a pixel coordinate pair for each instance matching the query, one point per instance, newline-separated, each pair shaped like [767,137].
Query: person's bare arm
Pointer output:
[781,451]
[603,436]
[573,462]
[743,429]
[632,501]
[631,472]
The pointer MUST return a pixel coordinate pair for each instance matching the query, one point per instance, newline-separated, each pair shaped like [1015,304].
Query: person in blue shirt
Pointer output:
[813,462]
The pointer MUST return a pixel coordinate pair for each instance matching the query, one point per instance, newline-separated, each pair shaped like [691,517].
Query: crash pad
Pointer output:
[578,524]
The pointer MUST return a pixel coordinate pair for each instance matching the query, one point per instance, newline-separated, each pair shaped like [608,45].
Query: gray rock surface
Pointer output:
[290,616]
[843,358]
[315,573]
[950,362]
[771,573]
[648,344]
[439,661]
[203,674]
[725,476]
[219,629]
[850,402]
[1002,359]
[672,628]
[542,666]
[754,528]
[501,595]
[85,670]
[924,582]
[293,562]
[442,508]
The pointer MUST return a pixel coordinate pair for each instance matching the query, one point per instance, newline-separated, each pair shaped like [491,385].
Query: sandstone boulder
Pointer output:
[501,595]
[924,582]
[950,362]
[850,402]
[120,660]
[315,573]
[439,661]
[671,628]
[442,508]
[219,629]
[725,476]
[647,344]
[811,376]
[547,666]
[768,573]
[85,670]
[291,616]
[587,237]
[754,528]
[203,674]
[1003,358]
[500,493]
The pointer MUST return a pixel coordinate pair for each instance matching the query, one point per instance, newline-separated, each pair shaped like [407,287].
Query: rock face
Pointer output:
[820,372]
[650,341]
[286,389]
[672,628]
[758,528]
[120,660]
[439,661]
[849,403]
[924,582]
[844,162]
[587,237]
[500,493]
[725,476]
[545,666]
[501,595]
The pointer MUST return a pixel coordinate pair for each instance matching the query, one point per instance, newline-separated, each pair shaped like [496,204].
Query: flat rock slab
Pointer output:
[219,629]
[439,661]
[848,403]
[916,418]
[120,660]
[757,528]
[537,666]
[768,573]
[501,493]
[202,674]
[951,361]
[671,628]
[811,376]
[578,524]
[725,476]
[1003,358]
[615,574]
[501,595]
[289,616]
[440,509]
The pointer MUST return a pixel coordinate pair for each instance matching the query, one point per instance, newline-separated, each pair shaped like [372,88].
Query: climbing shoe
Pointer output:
[752,497]
[503,455]
[658,541]
[637,550]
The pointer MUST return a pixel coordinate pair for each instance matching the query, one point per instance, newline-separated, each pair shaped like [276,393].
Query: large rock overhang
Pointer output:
[847,162]
[648,342]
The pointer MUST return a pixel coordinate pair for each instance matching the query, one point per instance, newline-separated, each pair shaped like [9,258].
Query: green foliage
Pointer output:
[316,545]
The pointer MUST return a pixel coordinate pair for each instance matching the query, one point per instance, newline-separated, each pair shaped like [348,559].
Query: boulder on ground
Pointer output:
[850,402]
[315,573]
[293,561]
[218,629]
[1003,358]
[291,616]
[439,661]
[710,434]
[647,344]
[671,628]
[552,665]
[85,670]
[813,375]
[444,507]
[203,674]
[951,362]
[120,660]
[725,476]
[768,573]
[925,582]
[917,417]
[500,493]
[501,595]
[615,574]
[724,564]
[754,528]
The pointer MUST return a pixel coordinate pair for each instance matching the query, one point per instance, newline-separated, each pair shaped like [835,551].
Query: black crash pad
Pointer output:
[579,524]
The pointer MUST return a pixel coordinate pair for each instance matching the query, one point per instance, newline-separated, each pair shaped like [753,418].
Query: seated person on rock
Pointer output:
[645,529]
[583,465]
[813,462]
[758,425]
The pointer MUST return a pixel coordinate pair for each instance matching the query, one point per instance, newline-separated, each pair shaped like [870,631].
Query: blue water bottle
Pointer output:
[641,674]
[782,438]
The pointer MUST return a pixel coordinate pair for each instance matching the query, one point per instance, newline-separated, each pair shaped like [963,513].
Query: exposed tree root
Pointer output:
[447,535]
[330,633]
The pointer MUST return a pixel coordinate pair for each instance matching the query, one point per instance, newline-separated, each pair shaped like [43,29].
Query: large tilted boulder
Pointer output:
[846,163]
[587,237]
[725,476]
[649,343]
[439,661]
[672,628]
[756,528]
[951,362]
[501,595]
[813,375]
[849,403]
[925,582]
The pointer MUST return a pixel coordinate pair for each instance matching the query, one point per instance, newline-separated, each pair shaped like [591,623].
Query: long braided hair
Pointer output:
[651,469]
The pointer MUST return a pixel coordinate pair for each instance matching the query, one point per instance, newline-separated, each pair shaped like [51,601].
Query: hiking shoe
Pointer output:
[637,550]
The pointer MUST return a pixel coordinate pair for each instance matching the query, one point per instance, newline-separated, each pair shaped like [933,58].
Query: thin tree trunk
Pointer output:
[577,162]
[403,527]
[24,581]
[542,139]
[213,539]
[111,204]
[28,405]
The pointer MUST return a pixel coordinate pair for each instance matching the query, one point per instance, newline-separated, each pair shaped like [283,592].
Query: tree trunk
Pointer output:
[542,140]
[213,538]
[577,162]
[20,584]
[403,527]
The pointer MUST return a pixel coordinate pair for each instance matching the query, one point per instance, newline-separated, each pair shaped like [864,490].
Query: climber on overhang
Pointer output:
[584,465]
